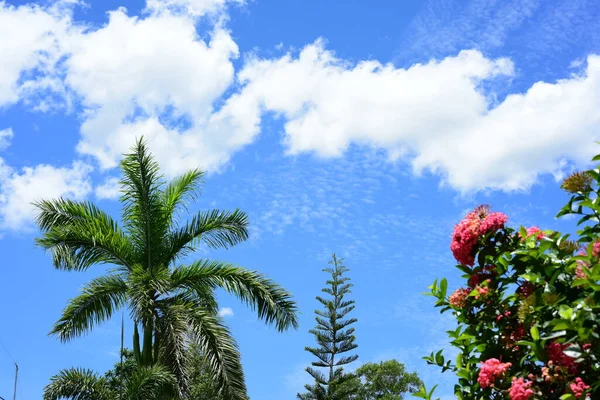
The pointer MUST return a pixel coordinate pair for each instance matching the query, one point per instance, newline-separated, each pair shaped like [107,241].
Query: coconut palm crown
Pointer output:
[172,302]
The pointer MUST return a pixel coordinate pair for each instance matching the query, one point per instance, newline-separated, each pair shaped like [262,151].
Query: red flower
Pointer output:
[458,299]
[533,230]
[558,357]
[578,387]
[490,370]
[526,289]
[466,233]
[487,273]
[520,389]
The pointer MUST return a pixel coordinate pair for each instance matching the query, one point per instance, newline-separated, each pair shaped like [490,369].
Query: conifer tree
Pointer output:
[335,339]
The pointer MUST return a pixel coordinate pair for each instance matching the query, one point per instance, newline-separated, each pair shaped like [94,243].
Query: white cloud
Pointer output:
[435,115]
[19,189]
[110,189]
[155,77]
[446,26]
[225,312]
[188,7]
[29,58]
[5,138]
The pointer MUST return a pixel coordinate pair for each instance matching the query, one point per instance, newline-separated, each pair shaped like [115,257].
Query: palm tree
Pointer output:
[148,383]
[172,304]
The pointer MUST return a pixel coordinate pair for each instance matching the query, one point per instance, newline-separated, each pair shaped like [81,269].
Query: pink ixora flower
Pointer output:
[458,299]
[493,222]
[596,249]
[580,273]
[526,289]
[482,291]
[556,354]
[578,387]
[534,230]
[466,233]
[520,389]
[490,370]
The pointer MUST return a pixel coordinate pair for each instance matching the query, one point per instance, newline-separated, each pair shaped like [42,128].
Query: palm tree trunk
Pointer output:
[148,344]
[136,344]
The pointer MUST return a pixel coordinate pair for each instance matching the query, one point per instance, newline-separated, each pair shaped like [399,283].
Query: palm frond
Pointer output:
[79,234]
[180,191]
[216,228]
[221,354]
[173,330]
[273,304]
[77,384]
[144,288]
[97,303]
[151,383]
[142,199]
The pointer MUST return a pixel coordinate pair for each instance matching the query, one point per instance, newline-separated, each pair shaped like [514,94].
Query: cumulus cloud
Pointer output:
[225,312]
[156,76]
[18,189]
[33,41]
[110,189]
[188,7]
[434,115]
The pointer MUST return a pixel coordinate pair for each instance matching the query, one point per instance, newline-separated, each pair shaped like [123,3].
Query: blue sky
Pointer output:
[364,128]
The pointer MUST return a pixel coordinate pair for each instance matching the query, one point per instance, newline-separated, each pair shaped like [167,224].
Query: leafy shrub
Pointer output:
[529,312]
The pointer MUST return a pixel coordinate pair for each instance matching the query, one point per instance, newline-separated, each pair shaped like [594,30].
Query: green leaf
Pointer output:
[561,326]
[554,335]
[565,312]
[535,333]
[568,396]
[443,288]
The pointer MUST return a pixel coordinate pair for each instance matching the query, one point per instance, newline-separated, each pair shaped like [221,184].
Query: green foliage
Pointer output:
[387,380]
[532,305]
[202,386]
[170,302]
[124,382]
[125,378]
[335,338]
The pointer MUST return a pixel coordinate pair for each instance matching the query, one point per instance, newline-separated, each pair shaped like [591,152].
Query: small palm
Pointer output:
[148,383]
[169,302]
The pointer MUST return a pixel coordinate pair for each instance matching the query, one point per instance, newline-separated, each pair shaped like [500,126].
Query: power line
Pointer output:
[7,352]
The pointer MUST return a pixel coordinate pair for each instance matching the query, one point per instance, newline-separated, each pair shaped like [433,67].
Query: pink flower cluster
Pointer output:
[482,291]
[580,273]
[526,289]
[520,389]
[466,234]
[578,387]
[534,230]
[490,370]
[505,314]
[558,357]
[458,299]
[596,249]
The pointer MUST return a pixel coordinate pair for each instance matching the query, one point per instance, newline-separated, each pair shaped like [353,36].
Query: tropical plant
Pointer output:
[202,386]
[387,380]
[172,304]
[148,383]
[529,313]
[335,338]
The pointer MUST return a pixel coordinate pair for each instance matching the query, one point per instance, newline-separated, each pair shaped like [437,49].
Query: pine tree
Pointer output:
[335,338]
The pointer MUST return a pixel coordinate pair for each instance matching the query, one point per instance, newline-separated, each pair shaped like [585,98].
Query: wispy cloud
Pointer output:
[226,312]
[447,26]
